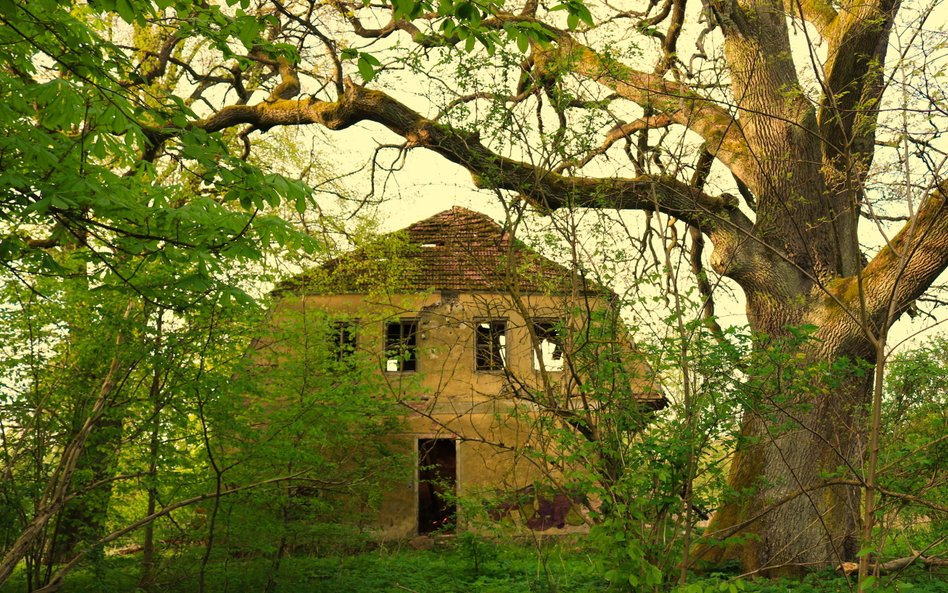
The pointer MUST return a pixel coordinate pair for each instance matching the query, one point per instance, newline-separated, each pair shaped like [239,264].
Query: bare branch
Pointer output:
[614,135]
[722,133]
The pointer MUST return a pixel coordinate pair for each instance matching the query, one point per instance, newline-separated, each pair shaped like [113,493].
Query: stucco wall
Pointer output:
[447,397]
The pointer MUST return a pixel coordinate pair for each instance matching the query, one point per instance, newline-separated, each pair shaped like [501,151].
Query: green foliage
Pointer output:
[80,346]
[191,406]
[569,567]
[577,12]
[366,63]
[94,156]
[311,413]
[126,236]
[914,449]
[652,476]
[648,474]
[463,20]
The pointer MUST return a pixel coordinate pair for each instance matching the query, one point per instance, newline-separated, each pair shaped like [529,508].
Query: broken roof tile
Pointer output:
[462,250]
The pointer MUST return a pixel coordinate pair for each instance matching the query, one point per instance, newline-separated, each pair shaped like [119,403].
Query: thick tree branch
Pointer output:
[781,128]
[911,262]
[670,40]
[819,13]
[289,86]
[854,82]
[545,189]
[161,58]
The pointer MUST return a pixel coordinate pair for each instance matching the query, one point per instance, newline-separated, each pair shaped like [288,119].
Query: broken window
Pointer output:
[342,338]
[401,345]
[548,353]
[490,345]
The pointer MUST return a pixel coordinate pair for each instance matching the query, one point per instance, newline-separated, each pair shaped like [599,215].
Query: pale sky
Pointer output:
[426,183]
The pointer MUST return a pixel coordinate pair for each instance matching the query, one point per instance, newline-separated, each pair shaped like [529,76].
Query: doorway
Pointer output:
[437,483]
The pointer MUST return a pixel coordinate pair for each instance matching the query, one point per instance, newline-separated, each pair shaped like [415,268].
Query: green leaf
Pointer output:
[125,10]
[366,71]
[408,9]
[584,15]
[464,10]
[248,31]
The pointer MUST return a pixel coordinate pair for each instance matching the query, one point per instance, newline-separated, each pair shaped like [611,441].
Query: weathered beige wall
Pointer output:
[447,397]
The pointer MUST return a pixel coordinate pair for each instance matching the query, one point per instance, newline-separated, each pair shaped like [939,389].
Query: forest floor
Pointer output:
[466,565]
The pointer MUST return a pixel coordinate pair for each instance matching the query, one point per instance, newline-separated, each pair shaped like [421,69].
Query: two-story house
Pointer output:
[478,338]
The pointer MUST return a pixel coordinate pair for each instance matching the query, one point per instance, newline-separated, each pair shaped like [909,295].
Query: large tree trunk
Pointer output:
[792,521]
[794,505]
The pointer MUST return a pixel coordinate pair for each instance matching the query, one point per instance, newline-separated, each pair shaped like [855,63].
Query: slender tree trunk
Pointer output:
[148,541]
[146,581]
[83,518]
[60,483]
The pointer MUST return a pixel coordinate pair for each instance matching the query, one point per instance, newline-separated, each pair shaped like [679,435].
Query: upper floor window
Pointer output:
[401,345]
[342,340]
[549,345]
[490,345]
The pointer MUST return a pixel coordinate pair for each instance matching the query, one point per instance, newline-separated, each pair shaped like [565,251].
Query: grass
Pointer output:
[466,565]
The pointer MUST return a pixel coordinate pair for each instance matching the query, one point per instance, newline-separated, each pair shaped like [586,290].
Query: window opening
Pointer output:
[549,344]
[490,345]
[342,340]
[401,345]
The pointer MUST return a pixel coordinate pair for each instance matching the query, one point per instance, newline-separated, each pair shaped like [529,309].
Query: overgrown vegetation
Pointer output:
[145,443]
[473,565]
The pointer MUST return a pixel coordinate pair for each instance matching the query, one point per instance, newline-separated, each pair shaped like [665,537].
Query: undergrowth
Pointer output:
[462,565]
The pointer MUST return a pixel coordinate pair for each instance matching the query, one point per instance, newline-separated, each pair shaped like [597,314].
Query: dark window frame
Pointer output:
[401,346]
[489,354]
[548,330]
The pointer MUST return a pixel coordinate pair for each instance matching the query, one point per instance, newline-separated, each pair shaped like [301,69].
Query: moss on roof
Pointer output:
[454,250]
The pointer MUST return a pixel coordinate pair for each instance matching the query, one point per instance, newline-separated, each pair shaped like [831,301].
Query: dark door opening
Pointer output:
[437,476]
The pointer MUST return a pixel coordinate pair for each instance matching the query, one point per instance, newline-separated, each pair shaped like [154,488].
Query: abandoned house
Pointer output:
[477,336]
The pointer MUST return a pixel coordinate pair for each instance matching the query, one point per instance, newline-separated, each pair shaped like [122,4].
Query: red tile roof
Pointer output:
[463,250]
[459,250]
